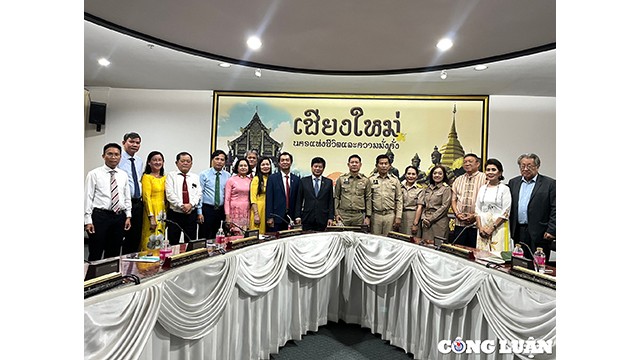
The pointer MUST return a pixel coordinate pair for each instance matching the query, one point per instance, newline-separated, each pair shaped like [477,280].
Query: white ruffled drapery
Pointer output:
[249,302]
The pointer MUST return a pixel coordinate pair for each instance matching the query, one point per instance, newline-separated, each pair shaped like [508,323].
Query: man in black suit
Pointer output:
[314,204]
[281,194]
[533,206]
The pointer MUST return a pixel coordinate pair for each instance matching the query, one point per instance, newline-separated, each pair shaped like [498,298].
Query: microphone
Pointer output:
[461,232]
[530,253]
[291,223]
[181,229]
[233,225]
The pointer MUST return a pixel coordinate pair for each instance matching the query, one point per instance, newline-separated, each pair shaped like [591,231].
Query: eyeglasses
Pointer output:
[528,167]
[112,155]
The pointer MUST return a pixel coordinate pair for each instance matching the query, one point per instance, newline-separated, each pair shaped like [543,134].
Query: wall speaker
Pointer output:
[97,114]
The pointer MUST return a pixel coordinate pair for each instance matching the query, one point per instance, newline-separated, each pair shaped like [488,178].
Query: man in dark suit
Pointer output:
[533,206]
[282,192]
[314,203]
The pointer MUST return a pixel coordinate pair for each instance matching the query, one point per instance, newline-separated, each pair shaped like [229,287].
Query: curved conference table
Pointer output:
[247,303]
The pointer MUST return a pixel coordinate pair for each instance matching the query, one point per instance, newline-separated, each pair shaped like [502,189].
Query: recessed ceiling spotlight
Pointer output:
[224,65]
[254,43]
[444,44]
[480,67]
[104,62]
[443,74]
[258,73]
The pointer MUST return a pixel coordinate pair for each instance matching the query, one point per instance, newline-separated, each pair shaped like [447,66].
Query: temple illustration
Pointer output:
[452,150]
[253,136]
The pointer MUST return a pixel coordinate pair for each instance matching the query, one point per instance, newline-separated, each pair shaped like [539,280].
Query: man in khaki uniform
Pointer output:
[386,198]
[352,195]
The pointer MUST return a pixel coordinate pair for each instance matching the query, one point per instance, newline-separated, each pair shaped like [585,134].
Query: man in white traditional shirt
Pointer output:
[463,200]
[107,205]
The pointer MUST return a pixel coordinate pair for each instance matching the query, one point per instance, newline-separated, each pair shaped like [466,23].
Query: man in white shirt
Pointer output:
[252,157]
[107,206]
[133,166]
[183,192]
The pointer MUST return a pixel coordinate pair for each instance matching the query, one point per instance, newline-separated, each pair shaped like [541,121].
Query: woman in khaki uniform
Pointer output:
[436,201]
[412,207]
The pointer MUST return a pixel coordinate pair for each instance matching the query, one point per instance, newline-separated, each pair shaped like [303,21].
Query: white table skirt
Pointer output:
[248,303]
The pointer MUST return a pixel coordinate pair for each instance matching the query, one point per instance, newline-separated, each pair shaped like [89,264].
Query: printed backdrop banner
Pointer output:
[418,130]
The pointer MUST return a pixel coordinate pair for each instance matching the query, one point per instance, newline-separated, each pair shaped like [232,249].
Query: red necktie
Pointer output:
[287,192]
[185,190]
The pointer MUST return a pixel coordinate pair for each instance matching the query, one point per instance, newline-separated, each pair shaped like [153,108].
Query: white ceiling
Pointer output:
[387,47]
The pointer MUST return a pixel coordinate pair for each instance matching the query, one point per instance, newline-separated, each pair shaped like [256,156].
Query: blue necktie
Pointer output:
[136,186]
[316,187]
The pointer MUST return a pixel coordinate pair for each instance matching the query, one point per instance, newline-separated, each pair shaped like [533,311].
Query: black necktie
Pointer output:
[217,195]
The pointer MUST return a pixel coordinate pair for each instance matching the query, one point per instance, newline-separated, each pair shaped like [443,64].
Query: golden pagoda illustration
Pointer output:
[452,150]
[254,136]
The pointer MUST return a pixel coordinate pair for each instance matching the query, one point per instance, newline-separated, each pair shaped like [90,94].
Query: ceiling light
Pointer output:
[258,73]
[254,43]
[224,65]
[444,44]
[480,67]
[443,74]
[104,62]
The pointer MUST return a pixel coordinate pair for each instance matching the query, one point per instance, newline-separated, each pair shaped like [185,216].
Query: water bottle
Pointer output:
[517,251]
[220,234]
[540,258]
[210,246]
[165,250]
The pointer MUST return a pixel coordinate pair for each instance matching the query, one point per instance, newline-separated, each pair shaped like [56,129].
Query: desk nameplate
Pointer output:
[244,242]
[360,229]
[185,258]
[400,236]
[457,251]
[536,277]
[286,233]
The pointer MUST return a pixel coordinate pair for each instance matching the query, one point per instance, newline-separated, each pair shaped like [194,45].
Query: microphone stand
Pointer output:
[461,232]
[535,265]
[291,223]
[182,230]
[233,225]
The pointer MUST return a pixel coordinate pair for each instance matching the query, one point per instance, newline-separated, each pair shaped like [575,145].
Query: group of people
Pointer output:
[128,208]
[491,215]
